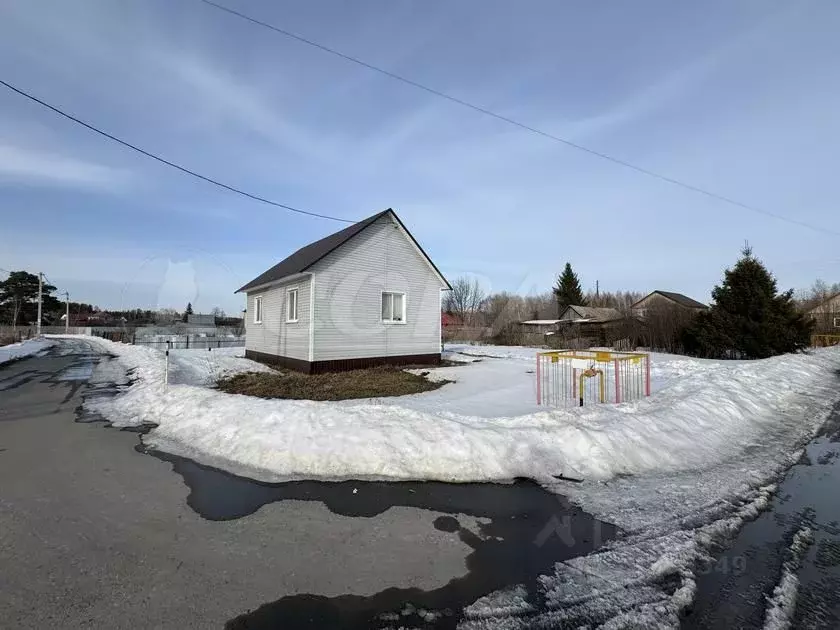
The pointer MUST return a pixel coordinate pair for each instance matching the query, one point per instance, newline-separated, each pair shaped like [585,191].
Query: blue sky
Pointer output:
[737,97]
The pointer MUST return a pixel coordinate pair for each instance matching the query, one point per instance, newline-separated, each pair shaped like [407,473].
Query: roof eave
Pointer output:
[669,298]
[265,285]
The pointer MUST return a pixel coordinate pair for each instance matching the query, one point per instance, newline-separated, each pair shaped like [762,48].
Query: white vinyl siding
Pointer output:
[349,285]
[275,335]
[291,305]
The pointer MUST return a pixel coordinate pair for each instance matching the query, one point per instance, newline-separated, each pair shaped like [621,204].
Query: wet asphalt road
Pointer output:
[94,533]
[733,590]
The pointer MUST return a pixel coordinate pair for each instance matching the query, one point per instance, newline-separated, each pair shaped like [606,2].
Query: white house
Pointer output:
[364,296]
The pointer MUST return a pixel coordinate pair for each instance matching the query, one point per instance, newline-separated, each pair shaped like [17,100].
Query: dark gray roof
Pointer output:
[597,314]
[679,298]
[307,256]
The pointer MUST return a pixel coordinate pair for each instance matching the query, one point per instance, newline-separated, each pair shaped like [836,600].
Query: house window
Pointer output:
[393,307]
[258,309]
[292,305]
[837,322]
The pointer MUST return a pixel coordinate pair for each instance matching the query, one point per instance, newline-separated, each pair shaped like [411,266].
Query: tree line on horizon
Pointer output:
[748,316]
[19,306]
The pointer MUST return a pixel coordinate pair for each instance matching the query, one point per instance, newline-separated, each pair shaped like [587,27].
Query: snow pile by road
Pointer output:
[782,604]
[712,414]
[23,349]
[204,367]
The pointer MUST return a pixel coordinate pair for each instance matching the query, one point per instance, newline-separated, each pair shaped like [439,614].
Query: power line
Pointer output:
[183,169]
[514,122]
[47,281]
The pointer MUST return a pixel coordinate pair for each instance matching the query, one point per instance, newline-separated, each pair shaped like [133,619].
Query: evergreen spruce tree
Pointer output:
[567,291]
[749,318]
[19,298]
[188,312]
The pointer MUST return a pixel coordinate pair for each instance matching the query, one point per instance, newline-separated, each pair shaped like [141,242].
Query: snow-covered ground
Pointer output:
[485,425]
[678,472]
[23,349]
[204,367]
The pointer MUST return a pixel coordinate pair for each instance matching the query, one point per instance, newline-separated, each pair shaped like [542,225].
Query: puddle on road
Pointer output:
[218,495]
[80,370]
[526,530]
[77,373]
[732,593]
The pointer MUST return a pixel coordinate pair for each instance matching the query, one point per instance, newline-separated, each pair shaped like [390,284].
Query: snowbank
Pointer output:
[782,604]
[23,349]
[204,367]
[711,413]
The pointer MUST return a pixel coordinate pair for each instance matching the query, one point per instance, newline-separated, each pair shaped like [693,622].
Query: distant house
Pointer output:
[364,296]
[827,316]
[448,319]
[541,326]
[661,299]
[97,318]
[589,315]
[596,325]
[586,324]
[201,320]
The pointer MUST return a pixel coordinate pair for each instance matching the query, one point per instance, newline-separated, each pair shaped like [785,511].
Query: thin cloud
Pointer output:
[40,168]
[221,97]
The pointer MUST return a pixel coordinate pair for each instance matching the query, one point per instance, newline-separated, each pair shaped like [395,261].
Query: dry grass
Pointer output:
[370,383]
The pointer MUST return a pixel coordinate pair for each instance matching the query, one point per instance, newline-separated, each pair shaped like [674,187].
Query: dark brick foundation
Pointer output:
[341,365]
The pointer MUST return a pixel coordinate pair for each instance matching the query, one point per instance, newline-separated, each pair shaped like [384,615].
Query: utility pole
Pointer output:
[597,289]
[40,299]
[67,313]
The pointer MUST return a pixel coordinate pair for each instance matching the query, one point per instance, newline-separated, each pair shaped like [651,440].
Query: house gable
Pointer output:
[669,297]
[831,305]
[569,313]
[826,316]
[590,313]
[349,284]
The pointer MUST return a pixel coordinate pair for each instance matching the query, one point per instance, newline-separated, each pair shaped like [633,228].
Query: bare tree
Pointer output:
[619,300]
[819,292]
[465,300]
[663,326]
[815,300]
[167,315]
[541,306]
[503,309]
